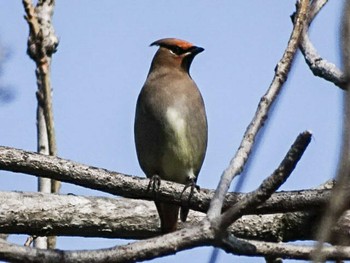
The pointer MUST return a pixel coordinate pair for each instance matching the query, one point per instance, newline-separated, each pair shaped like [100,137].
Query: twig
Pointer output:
[282,250]
[29,241]
[319,66]
[270,184]
[246,146]
[44,184]
[42,43]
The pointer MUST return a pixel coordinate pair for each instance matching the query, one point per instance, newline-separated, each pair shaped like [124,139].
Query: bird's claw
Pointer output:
[192,184]
[154,183]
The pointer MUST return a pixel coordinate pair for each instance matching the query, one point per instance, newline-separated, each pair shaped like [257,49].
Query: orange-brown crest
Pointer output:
[173,42]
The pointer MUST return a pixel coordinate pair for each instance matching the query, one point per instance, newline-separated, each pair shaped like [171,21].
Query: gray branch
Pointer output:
[319,66]
[270,184]
[41,214]
[32,163]
[282,69]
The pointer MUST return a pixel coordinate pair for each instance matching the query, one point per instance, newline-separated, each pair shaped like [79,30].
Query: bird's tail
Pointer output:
[183,213]
[168,214]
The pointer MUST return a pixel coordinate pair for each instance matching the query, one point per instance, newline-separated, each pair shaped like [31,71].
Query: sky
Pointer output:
[102,62]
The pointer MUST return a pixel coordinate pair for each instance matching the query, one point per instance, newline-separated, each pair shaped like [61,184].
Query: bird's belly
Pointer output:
[177,156]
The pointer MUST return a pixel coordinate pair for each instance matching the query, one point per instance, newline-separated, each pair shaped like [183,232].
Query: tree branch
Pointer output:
[31,163]
[42,214]
[270,184]
[246,146]
[319,66]
[199,235]
[42,43]
[281,250]
[166,245]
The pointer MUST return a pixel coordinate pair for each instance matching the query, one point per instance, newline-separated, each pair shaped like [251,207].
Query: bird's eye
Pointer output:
[176,50]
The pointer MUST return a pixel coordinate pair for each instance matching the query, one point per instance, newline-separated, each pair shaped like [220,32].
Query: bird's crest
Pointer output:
[166,42]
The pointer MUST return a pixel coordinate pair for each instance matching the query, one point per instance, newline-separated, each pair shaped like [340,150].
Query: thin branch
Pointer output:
[282,250]
[270,184]
[281,72]
[42,43]
[319,66]
[314,9]
[44,184]
[199,235]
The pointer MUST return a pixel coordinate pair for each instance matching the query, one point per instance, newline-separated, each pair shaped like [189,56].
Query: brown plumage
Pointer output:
[170,122]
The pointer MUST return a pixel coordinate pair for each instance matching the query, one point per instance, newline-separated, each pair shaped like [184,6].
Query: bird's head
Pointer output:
[174,53]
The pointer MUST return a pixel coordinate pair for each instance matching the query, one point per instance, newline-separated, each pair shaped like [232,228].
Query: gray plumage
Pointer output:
[170,123]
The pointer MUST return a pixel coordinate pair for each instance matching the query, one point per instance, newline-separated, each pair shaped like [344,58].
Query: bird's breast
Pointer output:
[177,158]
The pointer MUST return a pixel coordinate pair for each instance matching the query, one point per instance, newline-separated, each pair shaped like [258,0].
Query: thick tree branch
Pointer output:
[15,160]
[41,214]
[281,72]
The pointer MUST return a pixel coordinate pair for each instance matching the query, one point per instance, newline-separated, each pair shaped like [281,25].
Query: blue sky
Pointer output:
[102,62]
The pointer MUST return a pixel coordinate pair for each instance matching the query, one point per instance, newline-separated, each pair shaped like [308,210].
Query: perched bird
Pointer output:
[170,124]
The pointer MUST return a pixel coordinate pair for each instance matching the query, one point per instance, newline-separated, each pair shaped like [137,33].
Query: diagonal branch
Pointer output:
[281,72]
[270,184]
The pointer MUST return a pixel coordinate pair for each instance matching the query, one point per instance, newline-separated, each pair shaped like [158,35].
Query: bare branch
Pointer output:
[135,187]
[42,43]
[270,184]
[44,184]
[166,245]
[319,66]
[199,235]
[70,215]
[246,146]
[281,250]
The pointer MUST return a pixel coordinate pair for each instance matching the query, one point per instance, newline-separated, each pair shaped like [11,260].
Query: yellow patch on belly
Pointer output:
[177,157]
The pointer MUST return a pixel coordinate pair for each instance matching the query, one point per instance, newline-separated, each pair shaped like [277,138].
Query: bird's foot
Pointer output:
[154,184]
[185,203]
[192,185]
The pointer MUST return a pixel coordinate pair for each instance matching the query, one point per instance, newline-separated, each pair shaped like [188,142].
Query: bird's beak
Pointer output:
[197,50]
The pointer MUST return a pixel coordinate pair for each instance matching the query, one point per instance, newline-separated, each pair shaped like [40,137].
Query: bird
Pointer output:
[170,129]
